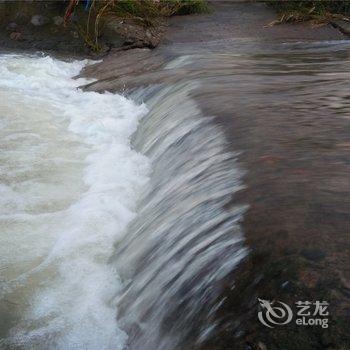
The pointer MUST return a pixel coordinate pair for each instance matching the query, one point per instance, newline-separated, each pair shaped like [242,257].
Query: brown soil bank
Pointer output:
[283,109]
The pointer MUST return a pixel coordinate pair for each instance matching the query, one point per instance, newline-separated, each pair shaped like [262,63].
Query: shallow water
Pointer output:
[285,107]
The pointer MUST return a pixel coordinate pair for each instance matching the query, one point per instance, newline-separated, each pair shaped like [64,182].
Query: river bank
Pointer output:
[293,149]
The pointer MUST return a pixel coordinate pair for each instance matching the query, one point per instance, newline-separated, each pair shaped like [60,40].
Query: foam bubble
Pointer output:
[69,183]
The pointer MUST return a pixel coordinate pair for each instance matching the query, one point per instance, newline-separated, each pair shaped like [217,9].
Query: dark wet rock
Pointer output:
[124,69]
[57,20]
[111,36]
[130,33]
[343,26]
[261,346]
[22,18]
[39,20]
[285,284]
[313,254]
[11,26]
[16,36]
[345,285]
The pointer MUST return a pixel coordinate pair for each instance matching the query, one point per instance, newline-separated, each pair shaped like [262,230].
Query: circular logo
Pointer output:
[271,314]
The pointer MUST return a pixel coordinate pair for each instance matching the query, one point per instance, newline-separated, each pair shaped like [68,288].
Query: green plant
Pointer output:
[187,7]
[147,13]
[315,11]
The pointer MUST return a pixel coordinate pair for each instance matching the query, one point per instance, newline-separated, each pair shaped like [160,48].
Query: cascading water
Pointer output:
[182,241]
[103,239]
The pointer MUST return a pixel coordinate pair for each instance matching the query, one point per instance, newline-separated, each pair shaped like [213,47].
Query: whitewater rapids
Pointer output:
[69,185]
[112,213]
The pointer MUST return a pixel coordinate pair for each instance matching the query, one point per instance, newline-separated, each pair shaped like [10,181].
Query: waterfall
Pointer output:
[182,241]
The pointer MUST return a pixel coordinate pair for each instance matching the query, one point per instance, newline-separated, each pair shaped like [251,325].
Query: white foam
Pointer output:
[70,182]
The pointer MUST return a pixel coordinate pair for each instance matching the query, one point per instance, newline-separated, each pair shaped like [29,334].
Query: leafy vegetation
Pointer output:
[316,11]
[187,7]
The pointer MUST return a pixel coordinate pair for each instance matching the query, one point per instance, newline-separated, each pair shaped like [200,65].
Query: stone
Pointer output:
[343,26]
[11,26]
[261,346]
[123,31]
[15,36]
[58,20]
[38,20]
[22,18]
[112,34]
[313,254]
[285,284]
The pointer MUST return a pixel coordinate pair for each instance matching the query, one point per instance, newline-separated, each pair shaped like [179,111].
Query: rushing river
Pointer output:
[115,228]
[70,182]
[104,235]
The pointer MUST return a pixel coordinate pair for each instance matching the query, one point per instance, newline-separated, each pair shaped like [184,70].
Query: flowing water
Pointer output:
[115,228]
[72,181]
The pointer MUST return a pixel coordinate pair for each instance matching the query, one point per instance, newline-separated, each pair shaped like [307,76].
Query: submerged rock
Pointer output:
[38,20]
[313,254]
[58,20]
[11,26]
[16,36]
